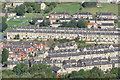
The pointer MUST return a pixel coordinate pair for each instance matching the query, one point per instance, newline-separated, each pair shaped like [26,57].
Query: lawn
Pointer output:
[8,29]
[13,22]
[32,15]
[72,8]
[24,21]
[113,8]
[0,19]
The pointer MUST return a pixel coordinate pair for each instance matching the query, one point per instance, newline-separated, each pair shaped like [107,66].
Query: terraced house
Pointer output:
[84,15]
[60,15]
[105,57]
[101,23]
[107,16]
[22,50]
[107,35]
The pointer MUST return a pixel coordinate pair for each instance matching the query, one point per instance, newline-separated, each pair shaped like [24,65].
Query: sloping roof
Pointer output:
[52,19]
[38,18]
[60,13]
[106,14]
[82,13]
[55,68]
[107,24]
[91,23]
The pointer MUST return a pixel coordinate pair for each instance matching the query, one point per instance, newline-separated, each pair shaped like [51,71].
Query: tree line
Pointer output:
[24,71]
[46,71]
[96,73]
[32,7]
[3,24]
[73,24]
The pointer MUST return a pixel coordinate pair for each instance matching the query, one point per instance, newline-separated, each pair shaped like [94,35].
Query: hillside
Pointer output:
[72,8]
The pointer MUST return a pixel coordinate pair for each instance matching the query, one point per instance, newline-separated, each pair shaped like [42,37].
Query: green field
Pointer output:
[113,8]
[24,21]
[13,22]
[0,19]
[32,15]
[72,8]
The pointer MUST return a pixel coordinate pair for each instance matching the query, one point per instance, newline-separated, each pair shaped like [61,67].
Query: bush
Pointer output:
[63,40]
[89,4]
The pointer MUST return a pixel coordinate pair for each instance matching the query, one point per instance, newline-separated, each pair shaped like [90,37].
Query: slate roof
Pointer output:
[60,13]
[99,19]
[38,18]
[82,13]
[18,52]
[56,23]
[107,24]
[106,14]
[85,53]
[64,45]
[100,47]
[52,52]
[52,30]
[55,68]
[65,19]
[22,43]
[65,28]
[70,61]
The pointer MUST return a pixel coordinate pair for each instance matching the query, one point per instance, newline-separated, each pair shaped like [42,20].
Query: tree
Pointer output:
[89,4]
[63,24]
[4,25]
[20,10]
[72,23]
[47,10]
[109,75]
[45,23]
[64,62]
[29,10]
[79,62]
[54,4]
[47,3]
[74,74]
[7,72]
[44,70]
[83,74]
[33,22]
[80,6]
[37,9]
[5,54]
[96,73]
[20,68]
[6,15]
[17,36]
[116,20]
[51,7]
[81,24]
[116,72]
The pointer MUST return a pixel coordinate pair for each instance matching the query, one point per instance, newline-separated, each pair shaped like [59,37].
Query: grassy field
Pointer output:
[24,21]
[0,19]
[32,15]
[72,8]
[113,8]
[13,22]
[8,29]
